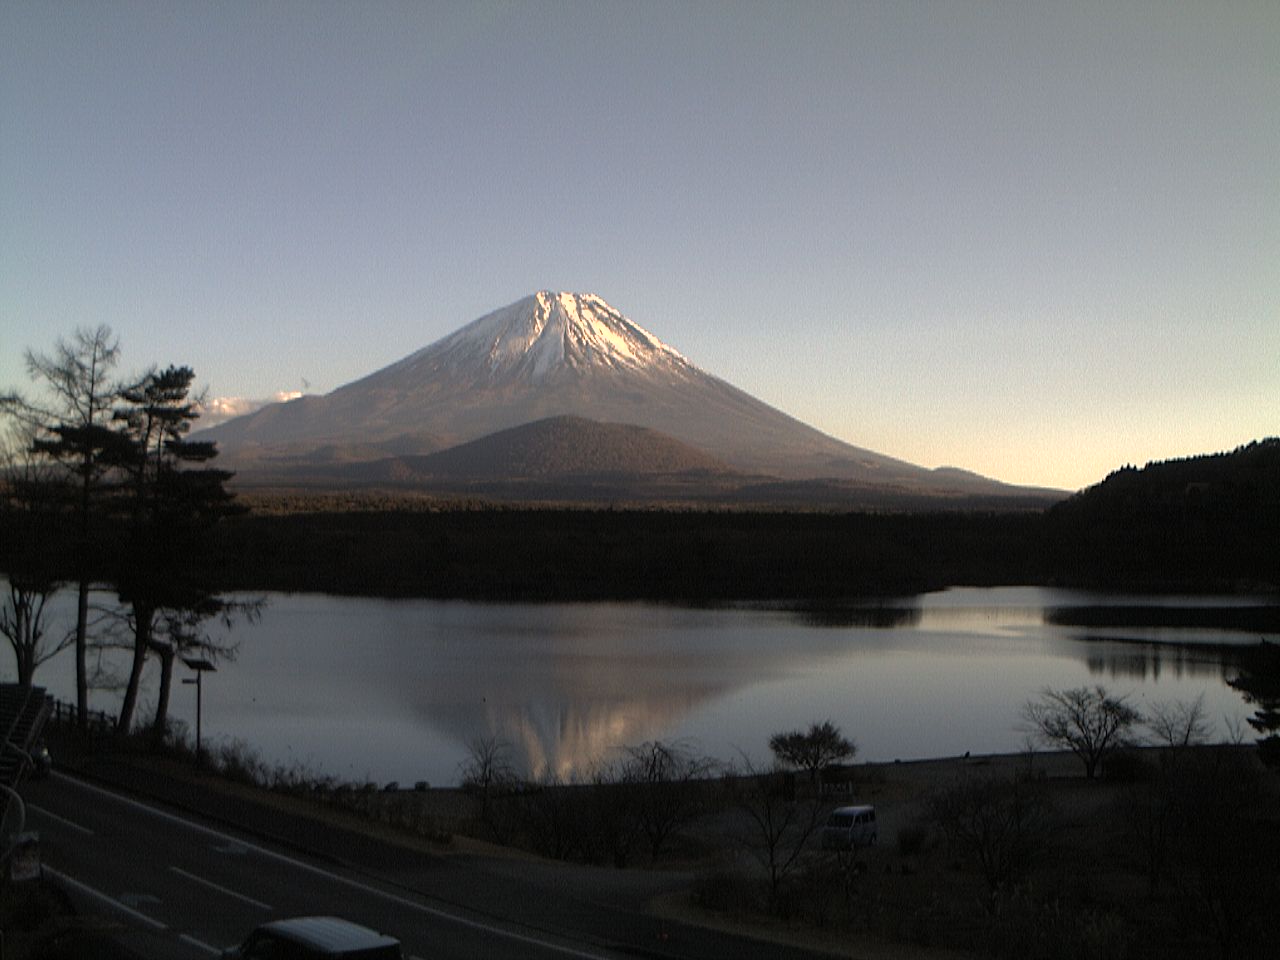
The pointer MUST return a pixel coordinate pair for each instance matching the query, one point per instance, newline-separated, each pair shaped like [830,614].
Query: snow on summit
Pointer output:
[544,334]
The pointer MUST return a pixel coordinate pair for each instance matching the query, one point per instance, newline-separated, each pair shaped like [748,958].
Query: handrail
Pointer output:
[10,745]
[30,719]
[26,698]
[14,796]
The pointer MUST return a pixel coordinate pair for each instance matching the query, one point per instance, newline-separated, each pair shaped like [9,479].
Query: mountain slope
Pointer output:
[553,355]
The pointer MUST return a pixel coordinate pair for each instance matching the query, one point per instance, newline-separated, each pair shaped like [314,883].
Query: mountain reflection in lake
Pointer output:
[395,690]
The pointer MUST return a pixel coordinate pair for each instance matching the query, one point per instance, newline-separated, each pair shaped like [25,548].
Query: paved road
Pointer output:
[199,889]
[188,888]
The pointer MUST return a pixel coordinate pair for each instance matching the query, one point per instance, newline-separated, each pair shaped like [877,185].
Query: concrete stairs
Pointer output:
[23,712]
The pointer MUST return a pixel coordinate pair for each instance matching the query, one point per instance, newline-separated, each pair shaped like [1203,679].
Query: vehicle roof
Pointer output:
[859,808]
[328,934]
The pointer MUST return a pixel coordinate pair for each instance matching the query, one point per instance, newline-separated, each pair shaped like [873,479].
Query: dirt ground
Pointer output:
[668,887]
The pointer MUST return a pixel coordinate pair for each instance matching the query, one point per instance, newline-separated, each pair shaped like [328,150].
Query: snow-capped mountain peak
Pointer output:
[545,334]
[547,356]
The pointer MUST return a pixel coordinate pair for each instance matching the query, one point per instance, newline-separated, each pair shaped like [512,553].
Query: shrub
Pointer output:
[1000,823]
[1052,931]
[913,840]
[726,891]
[1126,766]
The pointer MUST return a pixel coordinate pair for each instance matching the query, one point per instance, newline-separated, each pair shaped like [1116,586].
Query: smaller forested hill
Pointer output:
[1206,521]
[566,446]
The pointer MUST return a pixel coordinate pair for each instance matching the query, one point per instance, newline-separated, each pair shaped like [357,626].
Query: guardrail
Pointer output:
[68,715]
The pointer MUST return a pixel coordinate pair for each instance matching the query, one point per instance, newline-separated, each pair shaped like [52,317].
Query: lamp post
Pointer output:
[200,665]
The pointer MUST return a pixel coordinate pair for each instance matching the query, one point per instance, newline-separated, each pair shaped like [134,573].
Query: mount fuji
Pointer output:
[571,357]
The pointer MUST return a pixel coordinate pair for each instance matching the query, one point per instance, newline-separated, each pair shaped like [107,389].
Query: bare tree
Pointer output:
[1088,721]
[1000,822]
[668,776]
[487,773]
[22,623]
[812,750]
[70,426]
[778,828]
[488,765]
[30,507]
[1180,723]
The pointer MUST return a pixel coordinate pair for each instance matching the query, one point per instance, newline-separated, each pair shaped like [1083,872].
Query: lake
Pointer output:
[360,688]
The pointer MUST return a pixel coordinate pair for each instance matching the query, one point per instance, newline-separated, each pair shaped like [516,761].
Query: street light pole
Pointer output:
[200,666]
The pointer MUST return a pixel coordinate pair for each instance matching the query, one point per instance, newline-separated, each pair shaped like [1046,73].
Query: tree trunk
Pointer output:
[167,654]
[25,649]
[15,624]
[141,643]
[82,599]
[82,646]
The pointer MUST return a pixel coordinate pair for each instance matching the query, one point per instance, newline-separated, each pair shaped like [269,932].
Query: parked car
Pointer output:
[850,827]
[312,938]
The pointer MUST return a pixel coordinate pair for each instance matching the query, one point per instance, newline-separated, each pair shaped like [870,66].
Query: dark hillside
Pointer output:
[1207,522]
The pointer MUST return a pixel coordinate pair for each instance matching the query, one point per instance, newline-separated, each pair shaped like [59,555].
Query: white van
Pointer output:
[850,827]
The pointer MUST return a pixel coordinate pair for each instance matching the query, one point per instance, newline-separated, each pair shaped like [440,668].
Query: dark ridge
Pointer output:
[1207,521]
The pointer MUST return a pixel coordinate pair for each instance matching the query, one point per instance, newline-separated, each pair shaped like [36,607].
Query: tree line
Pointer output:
[1204,525]
[1206,522]
[102,486]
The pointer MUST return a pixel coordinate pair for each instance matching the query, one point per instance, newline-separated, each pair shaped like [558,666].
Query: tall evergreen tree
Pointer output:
[169,499]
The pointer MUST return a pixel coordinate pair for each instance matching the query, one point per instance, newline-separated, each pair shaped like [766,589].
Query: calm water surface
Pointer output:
[394,690]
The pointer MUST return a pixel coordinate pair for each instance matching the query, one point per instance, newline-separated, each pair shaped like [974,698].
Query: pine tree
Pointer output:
[1259,682]
[169,499]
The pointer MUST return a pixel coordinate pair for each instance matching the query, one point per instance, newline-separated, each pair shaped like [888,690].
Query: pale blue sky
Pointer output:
[1034,240]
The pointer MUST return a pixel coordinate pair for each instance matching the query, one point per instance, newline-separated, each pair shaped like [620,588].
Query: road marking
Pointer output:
[115,904]
[136,900]
[199,945]
[110,901]
[223,890]
[62,820]
[338,878]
